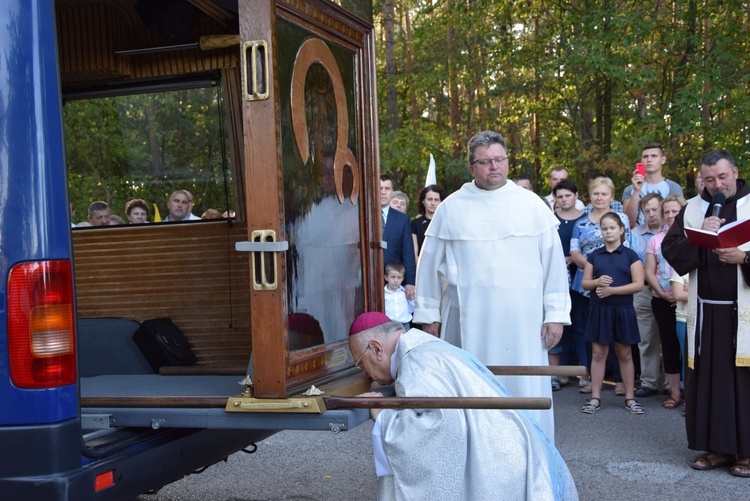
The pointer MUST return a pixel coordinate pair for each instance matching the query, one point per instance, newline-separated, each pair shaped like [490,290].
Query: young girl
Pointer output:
[658,274]
[680,289]
[615,273]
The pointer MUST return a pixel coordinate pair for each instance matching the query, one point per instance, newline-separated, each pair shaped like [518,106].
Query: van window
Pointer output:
[145,144]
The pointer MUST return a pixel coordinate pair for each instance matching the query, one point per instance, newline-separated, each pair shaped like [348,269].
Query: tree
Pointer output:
[579,83]
[146,146]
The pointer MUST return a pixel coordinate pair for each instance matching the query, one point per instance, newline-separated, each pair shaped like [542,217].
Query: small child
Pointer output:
[619,274]
[397,307]
[680,289]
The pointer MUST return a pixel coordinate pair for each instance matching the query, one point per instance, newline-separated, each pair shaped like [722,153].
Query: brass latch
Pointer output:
[263,247]
[304,405]
[255,70]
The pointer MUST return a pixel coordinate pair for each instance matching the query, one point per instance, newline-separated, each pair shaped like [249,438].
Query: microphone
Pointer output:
[717,201]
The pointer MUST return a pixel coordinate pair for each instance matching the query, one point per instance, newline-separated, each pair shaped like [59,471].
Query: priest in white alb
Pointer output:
[456,454]
[496,249]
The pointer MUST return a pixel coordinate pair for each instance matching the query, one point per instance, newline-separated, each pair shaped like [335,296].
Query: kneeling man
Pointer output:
[450,453]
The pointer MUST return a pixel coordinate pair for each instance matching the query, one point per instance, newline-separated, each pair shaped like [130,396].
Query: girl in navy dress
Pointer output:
[615,273]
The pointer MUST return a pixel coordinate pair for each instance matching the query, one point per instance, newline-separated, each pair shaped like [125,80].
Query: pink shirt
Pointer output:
[663,270]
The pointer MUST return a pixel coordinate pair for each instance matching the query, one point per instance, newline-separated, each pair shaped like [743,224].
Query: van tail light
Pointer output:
[41,325]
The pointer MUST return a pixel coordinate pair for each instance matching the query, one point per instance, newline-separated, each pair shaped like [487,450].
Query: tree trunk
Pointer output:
[155,164]
[410,69]
[453,92]
[391,119]
[536,139]
[607,119]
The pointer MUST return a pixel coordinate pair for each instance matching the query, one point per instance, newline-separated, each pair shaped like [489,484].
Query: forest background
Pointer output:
[581,83]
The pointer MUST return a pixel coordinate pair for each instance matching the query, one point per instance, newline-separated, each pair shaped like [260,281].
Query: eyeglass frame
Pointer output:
[359,360]
[486,162]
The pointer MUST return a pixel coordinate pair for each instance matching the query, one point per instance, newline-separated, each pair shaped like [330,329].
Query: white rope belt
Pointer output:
[701,302]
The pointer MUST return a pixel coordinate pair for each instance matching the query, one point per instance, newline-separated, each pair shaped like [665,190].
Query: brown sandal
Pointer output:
[741,468]
[711,460]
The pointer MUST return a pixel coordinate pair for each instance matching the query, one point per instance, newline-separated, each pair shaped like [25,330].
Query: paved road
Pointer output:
[611,454]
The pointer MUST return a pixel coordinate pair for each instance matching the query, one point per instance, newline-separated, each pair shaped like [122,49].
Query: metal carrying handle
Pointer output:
[255,75]
[263,246]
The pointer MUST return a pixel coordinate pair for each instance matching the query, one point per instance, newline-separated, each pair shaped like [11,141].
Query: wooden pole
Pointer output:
[335,402]
[156,402]
[538,370]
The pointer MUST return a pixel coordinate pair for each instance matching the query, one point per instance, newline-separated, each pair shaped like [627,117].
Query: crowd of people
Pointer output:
[179,208]
[615,286]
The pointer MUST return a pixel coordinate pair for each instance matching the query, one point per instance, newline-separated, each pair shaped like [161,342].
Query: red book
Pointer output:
[730,235]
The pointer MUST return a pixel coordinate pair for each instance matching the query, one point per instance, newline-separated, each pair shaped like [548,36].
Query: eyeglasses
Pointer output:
[486,162]
[359,360]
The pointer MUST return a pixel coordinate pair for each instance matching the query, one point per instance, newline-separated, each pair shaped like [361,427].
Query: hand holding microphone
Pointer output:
[714,222]
[717,202]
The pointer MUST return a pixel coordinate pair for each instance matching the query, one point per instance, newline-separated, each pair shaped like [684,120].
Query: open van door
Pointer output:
[310,151]
[272,292]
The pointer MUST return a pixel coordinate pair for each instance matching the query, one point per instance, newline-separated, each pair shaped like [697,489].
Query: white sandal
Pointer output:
[635,407]
[590,408]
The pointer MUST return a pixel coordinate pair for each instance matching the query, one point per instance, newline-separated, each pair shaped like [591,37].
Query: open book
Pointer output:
[730,235]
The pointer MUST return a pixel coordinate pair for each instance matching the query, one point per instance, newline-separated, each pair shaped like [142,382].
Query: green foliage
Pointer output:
[146,146]
[582,83]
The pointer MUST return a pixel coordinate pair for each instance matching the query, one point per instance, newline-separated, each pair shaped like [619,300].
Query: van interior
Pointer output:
[153,101]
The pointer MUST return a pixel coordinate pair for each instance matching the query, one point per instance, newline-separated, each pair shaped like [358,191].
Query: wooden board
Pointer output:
[188,272]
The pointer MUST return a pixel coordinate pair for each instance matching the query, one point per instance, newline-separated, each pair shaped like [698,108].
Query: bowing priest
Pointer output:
[450,453]
[496,247]
[717,390]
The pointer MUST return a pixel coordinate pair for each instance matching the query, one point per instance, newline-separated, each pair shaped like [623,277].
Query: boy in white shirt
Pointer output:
[397,307]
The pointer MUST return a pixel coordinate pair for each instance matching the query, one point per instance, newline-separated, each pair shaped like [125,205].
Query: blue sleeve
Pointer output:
[633,256]
[575,244]
[635,243]
[407,253]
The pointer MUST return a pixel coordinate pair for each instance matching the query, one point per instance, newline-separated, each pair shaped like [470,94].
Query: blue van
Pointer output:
[136,352]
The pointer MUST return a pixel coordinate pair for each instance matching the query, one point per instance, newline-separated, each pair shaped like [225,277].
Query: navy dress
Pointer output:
[612,319]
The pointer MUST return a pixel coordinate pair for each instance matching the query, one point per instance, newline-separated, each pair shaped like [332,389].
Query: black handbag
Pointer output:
[163,344]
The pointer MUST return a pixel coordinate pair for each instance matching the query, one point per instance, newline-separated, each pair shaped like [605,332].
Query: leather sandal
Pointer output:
[741,468]
[671,403]
[711,460]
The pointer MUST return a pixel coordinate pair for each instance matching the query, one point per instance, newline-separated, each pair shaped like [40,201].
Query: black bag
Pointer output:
[163,343]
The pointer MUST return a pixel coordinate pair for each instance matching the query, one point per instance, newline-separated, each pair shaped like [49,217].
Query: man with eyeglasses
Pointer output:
[496,247]
[449,453]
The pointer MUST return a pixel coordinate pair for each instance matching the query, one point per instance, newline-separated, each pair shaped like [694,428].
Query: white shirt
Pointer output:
[397,307]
